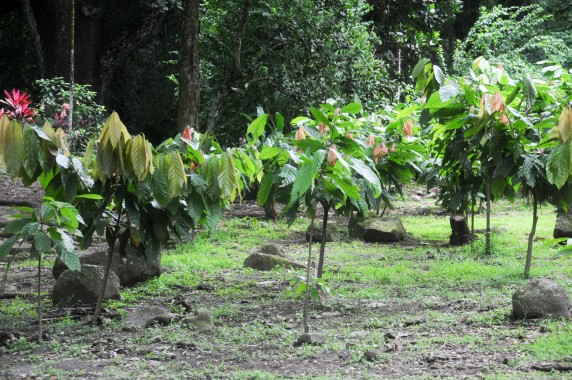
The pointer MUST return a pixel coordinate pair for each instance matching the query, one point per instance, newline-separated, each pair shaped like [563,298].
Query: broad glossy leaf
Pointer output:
[320,116]
[269,152]
[139,158]
[7,246]
[279,121]
[264,189]
[30,153]
[557,165]
[13,148]
[42,242]
[70,259]
[439,75]
[367,173]
[352,108]
[256,128]
[227,178]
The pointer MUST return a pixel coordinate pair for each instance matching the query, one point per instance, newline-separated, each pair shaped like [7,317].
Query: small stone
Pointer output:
[156,339]
[371,356]
[202,320]
[414,322]
[265,262]
[310,338]
[147,316]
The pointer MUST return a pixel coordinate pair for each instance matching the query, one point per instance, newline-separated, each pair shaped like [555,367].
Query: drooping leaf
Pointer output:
[439,75]
[557,165]
[7,246]
[529,91]
[320,117]
[264,189]
[176,177]
[279,122]
[367,173]
[70,259]
[13,148]
[42,242]
[448,92]
[30,153]
[138,155]
[227,178]
[269,152]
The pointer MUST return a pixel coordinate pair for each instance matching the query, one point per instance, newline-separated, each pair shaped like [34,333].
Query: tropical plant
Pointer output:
[49,229]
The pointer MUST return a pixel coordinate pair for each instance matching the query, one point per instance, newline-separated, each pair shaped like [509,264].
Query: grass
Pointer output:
[460,299]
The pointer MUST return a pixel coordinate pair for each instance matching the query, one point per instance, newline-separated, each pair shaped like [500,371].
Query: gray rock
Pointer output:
[377,230]
[542,298]
[310,338]
[145,316]
[131,269]
[202,320]
[563,226]
[79,288]
[263,261]
[371,356]
[272,249]
[333,233]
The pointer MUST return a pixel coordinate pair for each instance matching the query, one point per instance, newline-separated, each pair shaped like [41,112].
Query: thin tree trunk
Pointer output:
[531,237]
[103,285]
[189,85]
[5,276]
[40,299]
[326,208]
[110,250]
[473,201]
[36,36]
[488,226]
[307,296]
[72,65]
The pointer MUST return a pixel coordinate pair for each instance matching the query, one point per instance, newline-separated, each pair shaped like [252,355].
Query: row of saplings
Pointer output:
[136,196]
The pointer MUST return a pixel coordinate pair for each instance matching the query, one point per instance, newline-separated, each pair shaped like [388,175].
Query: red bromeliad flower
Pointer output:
[18,106]
[188,134]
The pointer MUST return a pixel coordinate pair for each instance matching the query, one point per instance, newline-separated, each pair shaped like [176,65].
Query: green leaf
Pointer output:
[557,165]
[352,108]
[70,259]
[159,186]
[213,216]
[13,148]
[269,152]
[448,92]
[227,178]
[320,116]
[303,182]
[93,197]
[42,242]
[30,154]
[419,67]
[346,185]
[264,189]
[368,174]
[16,226]
[439,75]
[529,91]
[7,246]
[279,122]
[256,128]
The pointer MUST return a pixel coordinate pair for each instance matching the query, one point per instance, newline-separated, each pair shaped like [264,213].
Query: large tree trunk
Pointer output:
[189,90]
[100,48]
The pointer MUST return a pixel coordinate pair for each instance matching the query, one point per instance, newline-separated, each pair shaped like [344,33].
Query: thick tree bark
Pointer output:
[189,89]
[99,48]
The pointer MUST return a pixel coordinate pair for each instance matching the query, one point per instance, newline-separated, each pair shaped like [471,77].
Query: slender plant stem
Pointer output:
[488,227]
[531,237]
[40,299]
[307,296]
[72,65]
[326,208]
[110,248]
[5,276]
[473,201]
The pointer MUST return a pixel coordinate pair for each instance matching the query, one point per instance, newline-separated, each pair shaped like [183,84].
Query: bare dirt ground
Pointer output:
[162,353]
